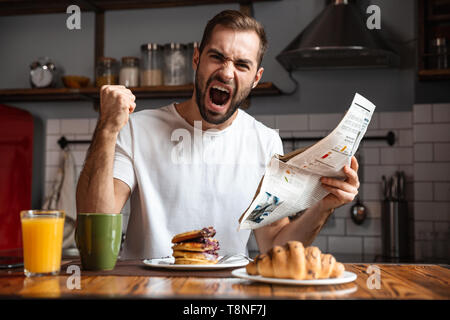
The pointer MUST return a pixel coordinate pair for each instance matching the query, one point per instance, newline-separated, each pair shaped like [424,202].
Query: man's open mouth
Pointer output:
[219,95]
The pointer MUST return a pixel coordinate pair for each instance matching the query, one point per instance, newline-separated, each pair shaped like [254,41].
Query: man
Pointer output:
[138,156]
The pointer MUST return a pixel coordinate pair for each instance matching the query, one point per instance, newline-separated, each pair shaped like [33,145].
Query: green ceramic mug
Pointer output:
[98,237]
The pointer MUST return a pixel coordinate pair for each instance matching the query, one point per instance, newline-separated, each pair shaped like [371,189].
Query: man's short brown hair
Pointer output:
[238,21]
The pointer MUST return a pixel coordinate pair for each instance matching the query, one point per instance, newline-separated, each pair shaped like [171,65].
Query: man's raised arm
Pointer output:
[97,190]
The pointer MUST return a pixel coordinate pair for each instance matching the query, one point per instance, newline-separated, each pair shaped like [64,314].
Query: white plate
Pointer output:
[346,277]
[168,263]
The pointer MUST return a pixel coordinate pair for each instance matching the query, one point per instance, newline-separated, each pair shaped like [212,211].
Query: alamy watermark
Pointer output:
[374,280]
[74,280]
[73,21]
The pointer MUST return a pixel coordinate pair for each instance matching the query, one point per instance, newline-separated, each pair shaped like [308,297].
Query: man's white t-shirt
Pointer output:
[183,178]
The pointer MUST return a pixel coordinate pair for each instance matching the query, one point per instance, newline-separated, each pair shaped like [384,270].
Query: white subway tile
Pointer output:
[423,230]
[51,143]
[423,152]
[345,245]
[50,173]
[53,126]
[371,191]
[370,155]
[396,155]
[372,245]
[405,137]
[431,211]
[442,191]
[291,122]
[395,120]
[53,158]
[423,191]
[441,112]
[373,208]
[431,171]
[334,226]
[442,152]
[92,125]
[321,242]
[74,126]
[422,113]
[343,211]
[326,121]
[436,132]
[374,173]
[268,120]
[370,227]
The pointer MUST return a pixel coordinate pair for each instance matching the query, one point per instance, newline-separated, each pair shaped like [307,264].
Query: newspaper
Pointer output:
[291,183]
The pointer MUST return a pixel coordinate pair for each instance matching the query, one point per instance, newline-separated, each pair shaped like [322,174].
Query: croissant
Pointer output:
[293,261]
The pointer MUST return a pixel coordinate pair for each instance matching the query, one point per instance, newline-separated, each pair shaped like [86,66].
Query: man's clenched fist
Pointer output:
[116,104]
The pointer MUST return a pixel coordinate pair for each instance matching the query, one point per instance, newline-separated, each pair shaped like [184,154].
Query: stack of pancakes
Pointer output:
[196,247]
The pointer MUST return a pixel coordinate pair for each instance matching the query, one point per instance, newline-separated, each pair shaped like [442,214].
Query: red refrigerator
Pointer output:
[16,161]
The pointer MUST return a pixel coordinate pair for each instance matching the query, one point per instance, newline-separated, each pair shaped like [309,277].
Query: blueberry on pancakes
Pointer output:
[196,247]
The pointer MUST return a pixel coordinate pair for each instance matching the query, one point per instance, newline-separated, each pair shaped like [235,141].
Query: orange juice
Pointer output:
[42,236]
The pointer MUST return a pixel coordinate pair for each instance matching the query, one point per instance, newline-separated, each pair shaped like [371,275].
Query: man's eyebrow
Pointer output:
[215,51]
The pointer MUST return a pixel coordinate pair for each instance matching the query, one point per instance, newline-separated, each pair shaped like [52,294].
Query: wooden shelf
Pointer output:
[21,7]
[436,74]
[92,94]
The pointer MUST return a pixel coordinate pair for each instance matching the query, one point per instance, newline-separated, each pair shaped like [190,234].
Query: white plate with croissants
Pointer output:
[293,264]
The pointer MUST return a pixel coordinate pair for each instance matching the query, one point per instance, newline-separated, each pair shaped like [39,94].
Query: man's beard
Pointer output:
[210,116]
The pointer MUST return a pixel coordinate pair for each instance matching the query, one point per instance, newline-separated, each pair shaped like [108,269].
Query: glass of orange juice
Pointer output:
[42,234]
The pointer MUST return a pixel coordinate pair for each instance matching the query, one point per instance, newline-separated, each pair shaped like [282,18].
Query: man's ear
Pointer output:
[258,77]
[195,59]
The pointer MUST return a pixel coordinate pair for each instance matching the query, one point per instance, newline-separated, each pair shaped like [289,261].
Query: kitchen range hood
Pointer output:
[338,38]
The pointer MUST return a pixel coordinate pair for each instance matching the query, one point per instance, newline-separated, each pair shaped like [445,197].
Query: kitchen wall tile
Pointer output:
[431,211]
[291,122]
[396,155]
[441,112]
[370,155]
[423,250]
[92,124]
[53,126]
[53,158]
[50,173]
[441,191]
[423,191]
[373,208]
[442,152]
[370,227]
[436,132]
[378,143]
[343,211]
[395,120]
[423,230]
[74,126]
[51,143]
[405,137]
[345,245]
[374,173]
[372,245]
[432,171]
[371,191]
[422,113]
[423,152]
[268,120]
[321,242]
[327,121]
[334,226]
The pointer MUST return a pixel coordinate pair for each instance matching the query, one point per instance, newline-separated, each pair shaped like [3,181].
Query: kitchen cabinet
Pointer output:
[13,7]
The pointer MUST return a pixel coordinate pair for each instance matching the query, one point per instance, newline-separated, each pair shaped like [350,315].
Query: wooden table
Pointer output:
[398,281]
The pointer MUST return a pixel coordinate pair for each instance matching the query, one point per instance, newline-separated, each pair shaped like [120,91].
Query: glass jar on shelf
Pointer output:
[175,64]
[151,69]
[190,73]
[129,72]
[106,71]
